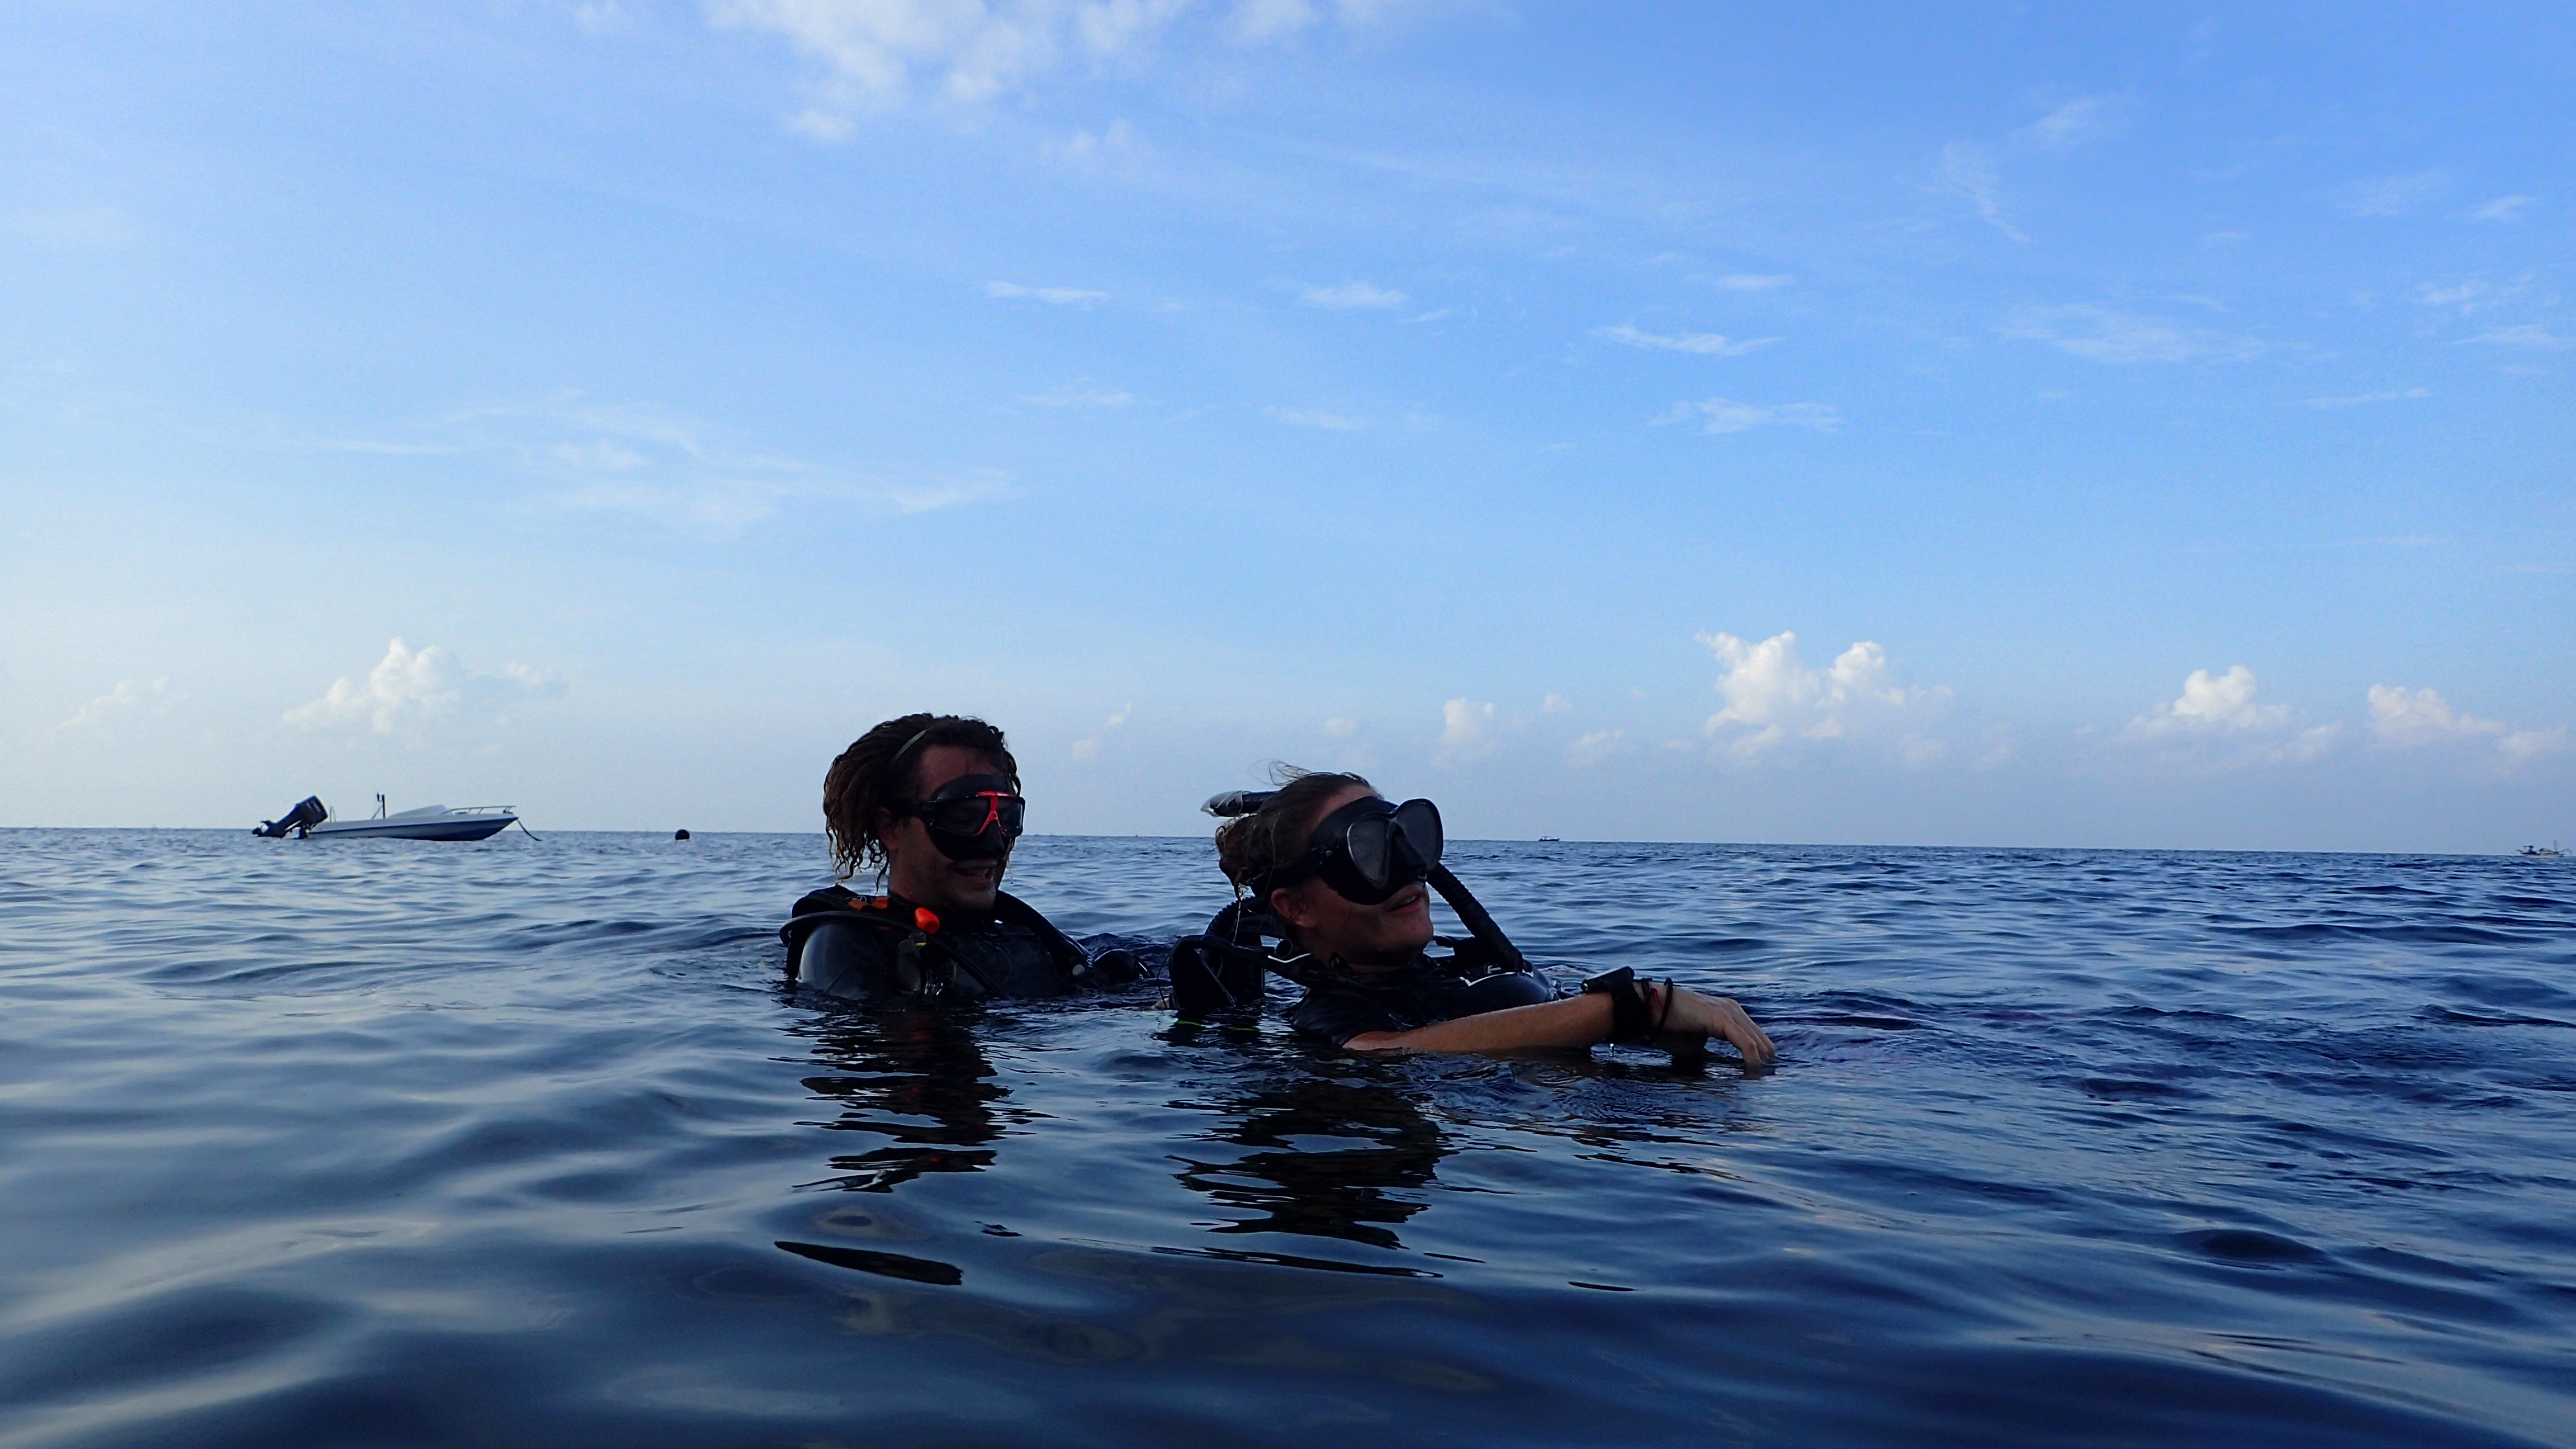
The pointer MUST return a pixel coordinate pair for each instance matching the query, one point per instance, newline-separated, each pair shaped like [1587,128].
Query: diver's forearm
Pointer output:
[1575,1021]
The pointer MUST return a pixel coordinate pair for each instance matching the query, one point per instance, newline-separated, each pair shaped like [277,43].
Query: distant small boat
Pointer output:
[2549,851]
[311,819]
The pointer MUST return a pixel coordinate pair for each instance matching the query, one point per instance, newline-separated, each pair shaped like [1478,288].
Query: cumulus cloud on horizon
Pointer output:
[409,686]
[2405,719]
[2223,708]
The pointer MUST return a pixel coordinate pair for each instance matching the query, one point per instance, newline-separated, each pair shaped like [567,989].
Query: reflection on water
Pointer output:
[1324,1158]
[911,1073]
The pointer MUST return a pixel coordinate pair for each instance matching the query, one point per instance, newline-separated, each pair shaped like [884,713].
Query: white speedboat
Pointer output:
[311,821]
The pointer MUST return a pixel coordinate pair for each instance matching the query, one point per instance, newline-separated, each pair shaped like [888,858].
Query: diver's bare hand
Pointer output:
[1692,1019]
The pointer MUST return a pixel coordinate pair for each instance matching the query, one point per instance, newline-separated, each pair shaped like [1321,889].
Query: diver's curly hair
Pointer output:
[863,780]
[1248,846]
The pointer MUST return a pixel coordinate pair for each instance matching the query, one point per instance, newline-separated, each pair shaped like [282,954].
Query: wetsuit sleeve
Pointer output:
[847,958]
[1337,1016]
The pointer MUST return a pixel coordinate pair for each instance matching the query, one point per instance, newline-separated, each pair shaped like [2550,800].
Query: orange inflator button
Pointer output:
[925,918]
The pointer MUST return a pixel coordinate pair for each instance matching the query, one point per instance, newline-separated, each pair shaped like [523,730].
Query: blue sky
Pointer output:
[1983,424]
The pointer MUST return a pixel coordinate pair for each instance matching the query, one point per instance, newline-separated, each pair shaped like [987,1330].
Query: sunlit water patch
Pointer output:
[527,1143]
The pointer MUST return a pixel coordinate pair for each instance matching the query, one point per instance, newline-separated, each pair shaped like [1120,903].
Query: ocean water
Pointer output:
[527,1143]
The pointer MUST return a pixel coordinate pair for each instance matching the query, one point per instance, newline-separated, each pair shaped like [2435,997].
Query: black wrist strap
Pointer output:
[1631,1020]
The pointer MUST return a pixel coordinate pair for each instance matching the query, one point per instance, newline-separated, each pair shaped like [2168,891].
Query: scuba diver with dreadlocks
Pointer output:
[1342,878]
[932,801]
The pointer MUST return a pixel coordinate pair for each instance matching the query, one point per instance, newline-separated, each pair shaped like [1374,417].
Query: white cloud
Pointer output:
[1965,171]
[1059,296]
[1349,296]
[2392,195]
[2365,399]
[1772,697]
[1314,418]
[1466,732]
[2404,719]
[2102,335]
[2221,709]
[1725,415]
[1706,344]
[408,685]
[1597,746]
[1341,728]
[600,17]
[2217,701]
[1556,704]
[127,698]
[2503,208]
[1754,282]
[2526,335]
[2070,125]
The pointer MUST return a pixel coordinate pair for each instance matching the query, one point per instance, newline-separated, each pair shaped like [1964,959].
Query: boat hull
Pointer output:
[479,827]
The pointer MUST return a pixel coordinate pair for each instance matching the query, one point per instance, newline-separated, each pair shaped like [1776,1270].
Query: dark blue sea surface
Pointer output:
[528,1143]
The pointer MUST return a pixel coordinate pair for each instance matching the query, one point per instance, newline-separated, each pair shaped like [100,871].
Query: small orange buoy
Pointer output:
[925,918]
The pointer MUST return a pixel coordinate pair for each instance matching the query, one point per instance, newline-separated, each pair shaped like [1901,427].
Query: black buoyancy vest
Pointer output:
[915,934]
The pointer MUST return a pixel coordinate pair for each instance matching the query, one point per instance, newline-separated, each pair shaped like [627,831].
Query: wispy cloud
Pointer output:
[1725,415]
[2527,334]
[1350,296]
[1074,396]
[1089,746]
[2392,195]
[2504,208]
[1466,732]
[1595,747]
[873,54]
[74,227]
[1755,281]
[2401,718]
[1314,418]
[129,697]
[2082,119]
[1964,170]
[686,473]
[2104,335]
[1706,344]
[1058,296]
[2365,399]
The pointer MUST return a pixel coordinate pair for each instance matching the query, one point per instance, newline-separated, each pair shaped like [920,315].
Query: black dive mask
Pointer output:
[973,817]
[1368,850]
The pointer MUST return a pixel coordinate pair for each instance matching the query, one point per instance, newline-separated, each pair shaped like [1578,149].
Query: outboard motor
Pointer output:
[308,812]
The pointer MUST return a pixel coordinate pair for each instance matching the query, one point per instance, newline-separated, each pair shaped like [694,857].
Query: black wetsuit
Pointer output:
[1341,1004]
[857,946]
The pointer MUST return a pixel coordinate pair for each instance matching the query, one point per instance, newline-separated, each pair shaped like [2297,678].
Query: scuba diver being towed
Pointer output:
[932,801]
[1342,878]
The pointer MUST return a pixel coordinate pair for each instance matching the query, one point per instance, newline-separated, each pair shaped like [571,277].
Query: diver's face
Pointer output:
[1376,937]
[915,870]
